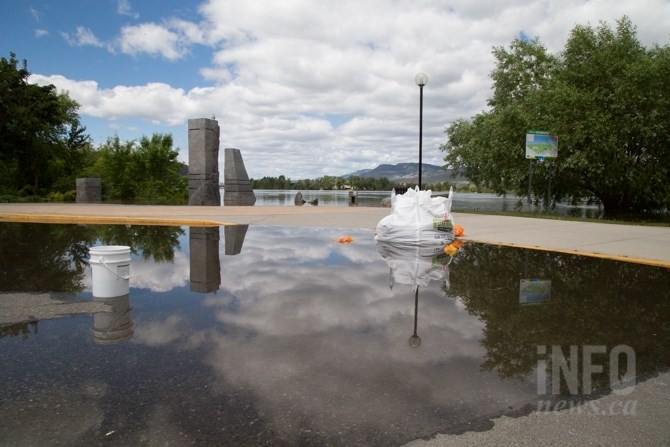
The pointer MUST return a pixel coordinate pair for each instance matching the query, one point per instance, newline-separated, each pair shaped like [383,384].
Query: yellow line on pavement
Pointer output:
[111,220]
[621,258]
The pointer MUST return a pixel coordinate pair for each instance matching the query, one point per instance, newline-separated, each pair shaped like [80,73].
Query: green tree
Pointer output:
[157,163]
[75,154]
[305,184]
[383,184]
[605,96]
[147,171]
[115,168]
[34,123]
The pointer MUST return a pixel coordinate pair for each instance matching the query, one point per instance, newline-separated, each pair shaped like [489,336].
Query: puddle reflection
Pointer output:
[205,264]
[281,336]
[415,266]
[115,325]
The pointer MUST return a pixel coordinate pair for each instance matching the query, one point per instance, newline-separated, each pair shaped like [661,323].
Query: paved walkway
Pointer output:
[633,243]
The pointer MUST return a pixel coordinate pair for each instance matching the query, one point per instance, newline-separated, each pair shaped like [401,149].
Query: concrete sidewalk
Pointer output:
[632,243]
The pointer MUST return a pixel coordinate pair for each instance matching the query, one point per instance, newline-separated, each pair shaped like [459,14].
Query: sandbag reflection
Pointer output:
[416,266]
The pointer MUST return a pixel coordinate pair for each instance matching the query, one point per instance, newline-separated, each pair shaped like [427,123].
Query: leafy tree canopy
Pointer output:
[40,136]
[607,99]
[144,171]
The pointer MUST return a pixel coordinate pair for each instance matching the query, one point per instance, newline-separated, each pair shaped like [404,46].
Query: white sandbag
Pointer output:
[418,219]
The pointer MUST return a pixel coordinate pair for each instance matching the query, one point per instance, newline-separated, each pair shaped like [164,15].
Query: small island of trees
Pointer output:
[339,183]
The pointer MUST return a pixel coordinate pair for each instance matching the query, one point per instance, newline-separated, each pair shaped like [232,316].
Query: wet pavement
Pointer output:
[264,335]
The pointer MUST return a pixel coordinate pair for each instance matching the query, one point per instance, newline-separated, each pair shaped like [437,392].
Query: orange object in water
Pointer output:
[344,240]
[458,230]
[451,249]
[457,243]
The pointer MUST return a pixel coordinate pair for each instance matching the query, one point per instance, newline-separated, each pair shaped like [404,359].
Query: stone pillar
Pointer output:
[234,238]
[298,200]
[236,185]
[89,190]
[203,162]
[204,258]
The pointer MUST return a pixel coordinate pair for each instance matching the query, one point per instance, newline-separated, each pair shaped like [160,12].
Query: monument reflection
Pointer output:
[205,261]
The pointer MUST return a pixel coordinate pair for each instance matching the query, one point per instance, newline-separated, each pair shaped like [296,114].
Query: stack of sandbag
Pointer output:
[418,220]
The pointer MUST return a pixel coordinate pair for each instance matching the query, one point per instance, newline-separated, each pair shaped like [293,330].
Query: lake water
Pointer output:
[463,202]
[282,336]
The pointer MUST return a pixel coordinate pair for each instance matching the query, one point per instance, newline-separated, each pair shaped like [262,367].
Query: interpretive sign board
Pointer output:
[541,145]
[534,291]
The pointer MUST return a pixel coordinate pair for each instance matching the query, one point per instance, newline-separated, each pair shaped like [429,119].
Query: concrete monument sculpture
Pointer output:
[203,162]
[236,185]
[89,190]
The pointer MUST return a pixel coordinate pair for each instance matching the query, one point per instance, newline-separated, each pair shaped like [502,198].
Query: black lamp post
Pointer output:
[421,80]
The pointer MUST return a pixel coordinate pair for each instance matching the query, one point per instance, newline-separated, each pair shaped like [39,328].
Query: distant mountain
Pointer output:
[409,173]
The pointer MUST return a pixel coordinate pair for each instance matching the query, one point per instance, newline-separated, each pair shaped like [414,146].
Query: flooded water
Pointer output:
[463,201]
[282,336]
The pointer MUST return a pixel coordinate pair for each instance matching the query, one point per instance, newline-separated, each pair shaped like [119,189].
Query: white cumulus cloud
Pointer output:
[82,37]
[152,39]
[124,8]
[310,88]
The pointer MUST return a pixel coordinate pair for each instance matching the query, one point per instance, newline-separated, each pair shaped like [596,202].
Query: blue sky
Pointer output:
[303,88]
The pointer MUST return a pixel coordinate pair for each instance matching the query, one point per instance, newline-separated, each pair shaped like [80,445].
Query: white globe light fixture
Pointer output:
[421,79]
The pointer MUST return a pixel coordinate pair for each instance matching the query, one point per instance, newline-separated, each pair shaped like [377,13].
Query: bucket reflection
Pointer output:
[116,325]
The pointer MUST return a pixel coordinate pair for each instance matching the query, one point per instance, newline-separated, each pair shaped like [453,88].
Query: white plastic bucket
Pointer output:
[110,270]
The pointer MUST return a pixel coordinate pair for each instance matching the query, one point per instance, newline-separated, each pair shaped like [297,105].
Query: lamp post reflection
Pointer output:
[415,340]
[415,266]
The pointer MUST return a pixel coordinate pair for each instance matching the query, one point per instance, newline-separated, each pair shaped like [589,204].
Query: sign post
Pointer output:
[539,145]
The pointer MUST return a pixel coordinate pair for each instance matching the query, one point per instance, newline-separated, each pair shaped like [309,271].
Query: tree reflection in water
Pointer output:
[150,242]
[37,258]
[593,302]
[41,258]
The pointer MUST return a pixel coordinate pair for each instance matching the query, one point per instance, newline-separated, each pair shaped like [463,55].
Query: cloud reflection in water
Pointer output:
[311,329]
